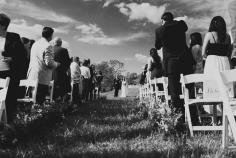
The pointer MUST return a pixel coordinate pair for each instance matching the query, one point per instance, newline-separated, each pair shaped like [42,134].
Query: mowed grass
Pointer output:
[116,129]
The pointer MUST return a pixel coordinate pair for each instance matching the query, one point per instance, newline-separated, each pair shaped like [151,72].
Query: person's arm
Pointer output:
[183,25]
[48,58]
[149,64]
[88,72]
[204,46]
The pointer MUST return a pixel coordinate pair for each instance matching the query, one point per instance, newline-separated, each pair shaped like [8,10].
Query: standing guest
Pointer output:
[12,63]
[216,50]
[143,75]
[75,80]
[92,82]
[196,50]
[154,64]
[117,85]
[61,79]
[42,63]
[99,78]
[85,72]
[171,37]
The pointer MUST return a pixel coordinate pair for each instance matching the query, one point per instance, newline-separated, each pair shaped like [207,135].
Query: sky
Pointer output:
[109,29]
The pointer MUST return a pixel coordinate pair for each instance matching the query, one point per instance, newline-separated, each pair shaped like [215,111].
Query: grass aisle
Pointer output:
[113,128]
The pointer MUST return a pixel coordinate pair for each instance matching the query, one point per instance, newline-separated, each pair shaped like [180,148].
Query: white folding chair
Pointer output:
[51,89]
[229,105]
[197,78]
[31,90]
[4,83]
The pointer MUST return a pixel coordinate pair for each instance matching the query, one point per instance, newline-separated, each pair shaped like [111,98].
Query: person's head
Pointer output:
[75,59]
[89,62]
[218,25]
[93,67]
[85,62]
[31,43]
[154,55]
[145,67]
[195,38]
[57,41]
[167,17]
[25,40]
[4,22]
[47,33]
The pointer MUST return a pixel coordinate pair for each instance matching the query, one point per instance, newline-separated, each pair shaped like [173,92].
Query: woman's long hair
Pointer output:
[196,38]
[219,26]
[153,53]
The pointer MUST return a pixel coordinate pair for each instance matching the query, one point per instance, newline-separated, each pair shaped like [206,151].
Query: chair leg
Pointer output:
[225,133]
[188,117]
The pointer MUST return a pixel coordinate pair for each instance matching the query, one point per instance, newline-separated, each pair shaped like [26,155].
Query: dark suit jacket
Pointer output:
[171,37]
[14,48]
[60,76]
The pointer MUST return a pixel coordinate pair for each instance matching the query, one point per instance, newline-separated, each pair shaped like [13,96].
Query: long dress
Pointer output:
[196,52]
[216,61]
[124,89]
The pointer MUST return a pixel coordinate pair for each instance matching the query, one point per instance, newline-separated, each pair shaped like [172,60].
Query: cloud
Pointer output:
[23,28]
[29,9]
[143,11]
[141,58]
[106,2]
[93,34]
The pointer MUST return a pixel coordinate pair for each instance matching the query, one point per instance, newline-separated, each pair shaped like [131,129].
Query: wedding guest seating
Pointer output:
[197,78]
[31,90]
[229,106]
[51,88]
[4,83]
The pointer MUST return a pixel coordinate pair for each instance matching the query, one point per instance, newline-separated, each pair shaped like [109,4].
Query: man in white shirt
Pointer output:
[42,63]
[75,80]
[85,72]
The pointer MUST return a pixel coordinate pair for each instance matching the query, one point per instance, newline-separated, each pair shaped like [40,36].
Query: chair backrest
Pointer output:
[30,84]
[228,76]
[4,82]
[194,78]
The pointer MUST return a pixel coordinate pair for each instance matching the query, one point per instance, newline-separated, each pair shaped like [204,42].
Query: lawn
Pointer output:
[117,129]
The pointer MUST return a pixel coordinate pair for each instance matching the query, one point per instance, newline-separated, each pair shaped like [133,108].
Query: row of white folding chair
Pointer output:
[152,89]
[31,90]
[225,78]
[4,83]
[197,78]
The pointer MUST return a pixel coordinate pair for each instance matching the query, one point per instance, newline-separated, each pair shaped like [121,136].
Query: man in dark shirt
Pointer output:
[117,85]
[171,37]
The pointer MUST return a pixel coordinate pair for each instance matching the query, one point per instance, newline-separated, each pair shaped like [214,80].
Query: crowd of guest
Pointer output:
[45,60]
[208,56]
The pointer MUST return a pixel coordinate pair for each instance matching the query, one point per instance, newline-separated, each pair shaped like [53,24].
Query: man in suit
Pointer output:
[61,78]
[13,64]
[117,85]
[42,64]
[171,37]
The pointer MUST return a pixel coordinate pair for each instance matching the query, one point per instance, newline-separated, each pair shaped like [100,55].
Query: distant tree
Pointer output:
[132,78]
[108,75]
[109,70]
[117,66]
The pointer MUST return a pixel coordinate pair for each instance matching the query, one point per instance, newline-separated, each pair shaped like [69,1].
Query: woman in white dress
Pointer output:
[124,89]
[216,51]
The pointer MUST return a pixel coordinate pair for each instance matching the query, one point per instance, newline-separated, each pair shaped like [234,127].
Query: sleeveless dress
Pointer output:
[216,60]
